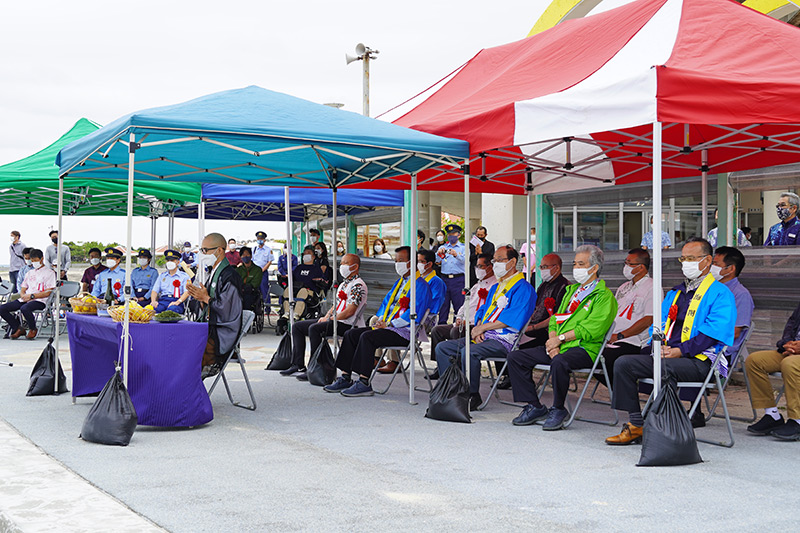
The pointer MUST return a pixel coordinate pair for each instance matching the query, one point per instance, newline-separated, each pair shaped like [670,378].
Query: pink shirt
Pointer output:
[39,280]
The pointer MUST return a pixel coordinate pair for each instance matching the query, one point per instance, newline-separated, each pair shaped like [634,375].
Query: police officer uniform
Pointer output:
[116,276]
[143,277]
[450,257]
[188,257]
[262,255]
[170,288]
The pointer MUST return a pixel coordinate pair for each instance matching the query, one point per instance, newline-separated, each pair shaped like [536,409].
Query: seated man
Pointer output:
[113,277]
[169,290]
[34,290]
[786,360]
[506,311]
[221,303]
[352,298]
[426,259]
[27,267]
[576,334]
[391,328]
[251,277]
[91,272]
[484,272]
[143,276]
[698,318]
[634,310]
[550,295]
[306,280]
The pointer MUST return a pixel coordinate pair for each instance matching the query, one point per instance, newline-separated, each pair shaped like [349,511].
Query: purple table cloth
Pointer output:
[164,382]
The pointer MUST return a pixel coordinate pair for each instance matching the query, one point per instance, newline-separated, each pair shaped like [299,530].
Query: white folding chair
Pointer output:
[713,373]
[236,353]
[403,352]
[5,291]
[594,371]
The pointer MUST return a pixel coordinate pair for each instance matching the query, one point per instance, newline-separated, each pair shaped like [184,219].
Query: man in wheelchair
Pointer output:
[308,284]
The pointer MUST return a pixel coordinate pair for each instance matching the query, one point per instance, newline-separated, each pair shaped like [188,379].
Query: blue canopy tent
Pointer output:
[259,137]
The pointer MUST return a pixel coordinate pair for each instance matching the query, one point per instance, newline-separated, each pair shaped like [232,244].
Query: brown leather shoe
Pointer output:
[630,434]
[17,334]
[388,368]
[32,334]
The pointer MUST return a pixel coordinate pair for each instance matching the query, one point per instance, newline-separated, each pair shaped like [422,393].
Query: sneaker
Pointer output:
[339,385]
[766,425]
[789,431]
[358,389]
[555,419]
[530,414]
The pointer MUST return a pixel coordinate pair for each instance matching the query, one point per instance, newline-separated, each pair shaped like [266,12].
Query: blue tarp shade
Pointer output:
[244,202]
[256,136]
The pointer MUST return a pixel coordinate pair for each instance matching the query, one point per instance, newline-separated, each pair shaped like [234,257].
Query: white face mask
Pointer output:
[379,249]
[547,274]
[314,240]
[307,258]
[232,247]
[95,261]
[172,265]
[581,275]
[691,269]
[401,268]
[143,261]
[206,259]
[421,267]
[480,273]
[716,272]
[501,269]
[36,264]
[440,238]
[187,248]
[12,238]
[627,271]
[345,270]
[28,262]
[111,263]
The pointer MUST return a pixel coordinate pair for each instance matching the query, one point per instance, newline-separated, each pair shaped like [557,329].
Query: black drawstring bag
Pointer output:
[112,419]
[321,368]
[449,399]
[44,371]
[282,359]
[668,437]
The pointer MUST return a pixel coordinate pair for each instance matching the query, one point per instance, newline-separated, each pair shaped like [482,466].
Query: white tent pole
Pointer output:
[657,248]
[201,221]
[171,230]
[528,254]
[288,247]
[621,236]
[412,342]
[153,239]
[467,316]
[127,325]
[704,194]
[334,274]
[57,320]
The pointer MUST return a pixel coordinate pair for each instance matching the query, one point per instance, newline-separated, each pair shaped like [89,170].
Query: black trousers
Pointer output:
[444,332]
[612,354]
[315,331]
[539,337]
[357,353]
[520,368]
[629,369]
[26,308]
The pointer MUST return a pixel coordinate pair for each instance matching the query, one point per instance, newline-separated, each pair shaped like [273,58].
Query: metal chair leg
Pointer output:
[495,383]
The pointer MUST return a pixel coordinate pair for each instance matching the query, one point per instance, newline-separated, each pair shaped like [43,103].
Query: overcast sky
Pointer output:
[60,61]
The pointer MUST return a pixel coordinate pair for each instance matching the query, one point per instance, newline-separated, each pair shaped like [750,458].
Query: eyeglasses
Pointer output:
[206,250]
[691,258]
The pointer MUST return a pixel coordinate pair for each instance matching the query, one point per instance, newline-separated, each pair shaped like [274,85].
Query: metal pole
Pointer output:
[288,248]
[657,249]
[365,84]
[704,193]
[528,255]
[127,324]
[153,239]
[335,285]
[412,343]
[171,230]
[201,221]
[57,320]
[621,229]
[467,317]
[574,227]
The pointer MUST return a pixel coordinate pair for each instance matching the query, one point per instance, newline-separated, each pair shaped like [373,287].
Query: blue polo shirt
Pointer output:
[143,279]
[784,233]
[101,283]
[163,285]
[262,255]
[451,265]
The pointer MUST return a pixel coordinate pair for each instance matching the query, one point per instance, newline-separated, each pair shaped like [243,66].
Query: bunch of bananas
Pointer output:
[85,304]
[138,314]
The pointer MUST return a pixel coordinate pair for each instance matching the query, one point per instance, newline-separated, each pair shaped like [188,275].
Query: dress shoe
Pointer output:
[17,334]
[388,368]
[433,376]
[630,434]
[32,334]
[555,419]
[698,419]
[504,383]
[289,371]
[530,414]
[303,376]
[475,401]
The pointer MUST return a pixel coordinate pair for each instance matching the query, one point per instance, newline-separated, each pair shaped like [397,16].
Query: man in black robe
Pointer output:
[220,298]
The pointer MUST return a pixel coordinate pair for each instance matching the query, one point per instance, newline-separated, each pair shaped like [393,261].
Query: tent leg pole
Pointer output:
[126,325]
[57,318]
[412,342]
[334,277]
[201,221]
[153,239]
[704,195]
[528,255]
[288,248]
[467,316]
[657,266]
[171,230]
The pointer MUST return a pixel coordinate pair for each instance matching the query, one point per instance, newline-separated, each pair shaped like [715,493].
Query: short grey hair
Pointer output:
[595,255]
[793,198]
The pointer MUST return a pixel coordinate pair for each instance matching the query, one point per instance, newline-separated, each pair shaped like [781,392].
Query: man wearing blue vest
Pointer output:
[698,318]
[450,257]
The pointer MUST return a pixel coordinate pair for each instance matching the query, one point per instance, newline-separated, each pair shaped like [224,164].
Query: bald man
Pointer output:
[220,297]
[350,302]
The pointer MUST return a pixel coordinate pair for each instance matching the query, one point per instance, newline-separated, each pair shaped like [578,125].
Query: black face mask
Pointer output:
[55,240]
[246,259]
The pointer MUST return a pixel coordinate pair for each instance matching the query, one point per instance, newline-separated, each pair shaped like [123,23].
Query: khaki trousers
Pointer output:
[759,365]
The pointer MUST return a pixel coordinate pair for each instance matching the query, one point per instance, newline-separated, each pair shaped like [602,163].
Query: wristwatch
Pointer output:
[562,337]
[620,336]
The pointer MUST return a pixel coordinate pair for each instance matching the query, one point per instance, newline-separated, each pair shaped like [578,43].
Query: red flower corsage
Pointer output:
[483,293]
[342,295]
[550,305]
[118,285]
[404,302]
[673,313]
[176,283]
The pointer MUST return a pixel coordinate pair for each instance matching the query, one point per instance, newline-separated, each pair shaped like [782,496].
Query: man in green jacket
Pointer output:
[576,335]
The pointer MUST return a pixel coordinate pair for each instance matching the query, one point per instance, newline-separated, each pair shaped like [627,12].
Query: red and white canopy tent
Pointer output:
[652,89]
